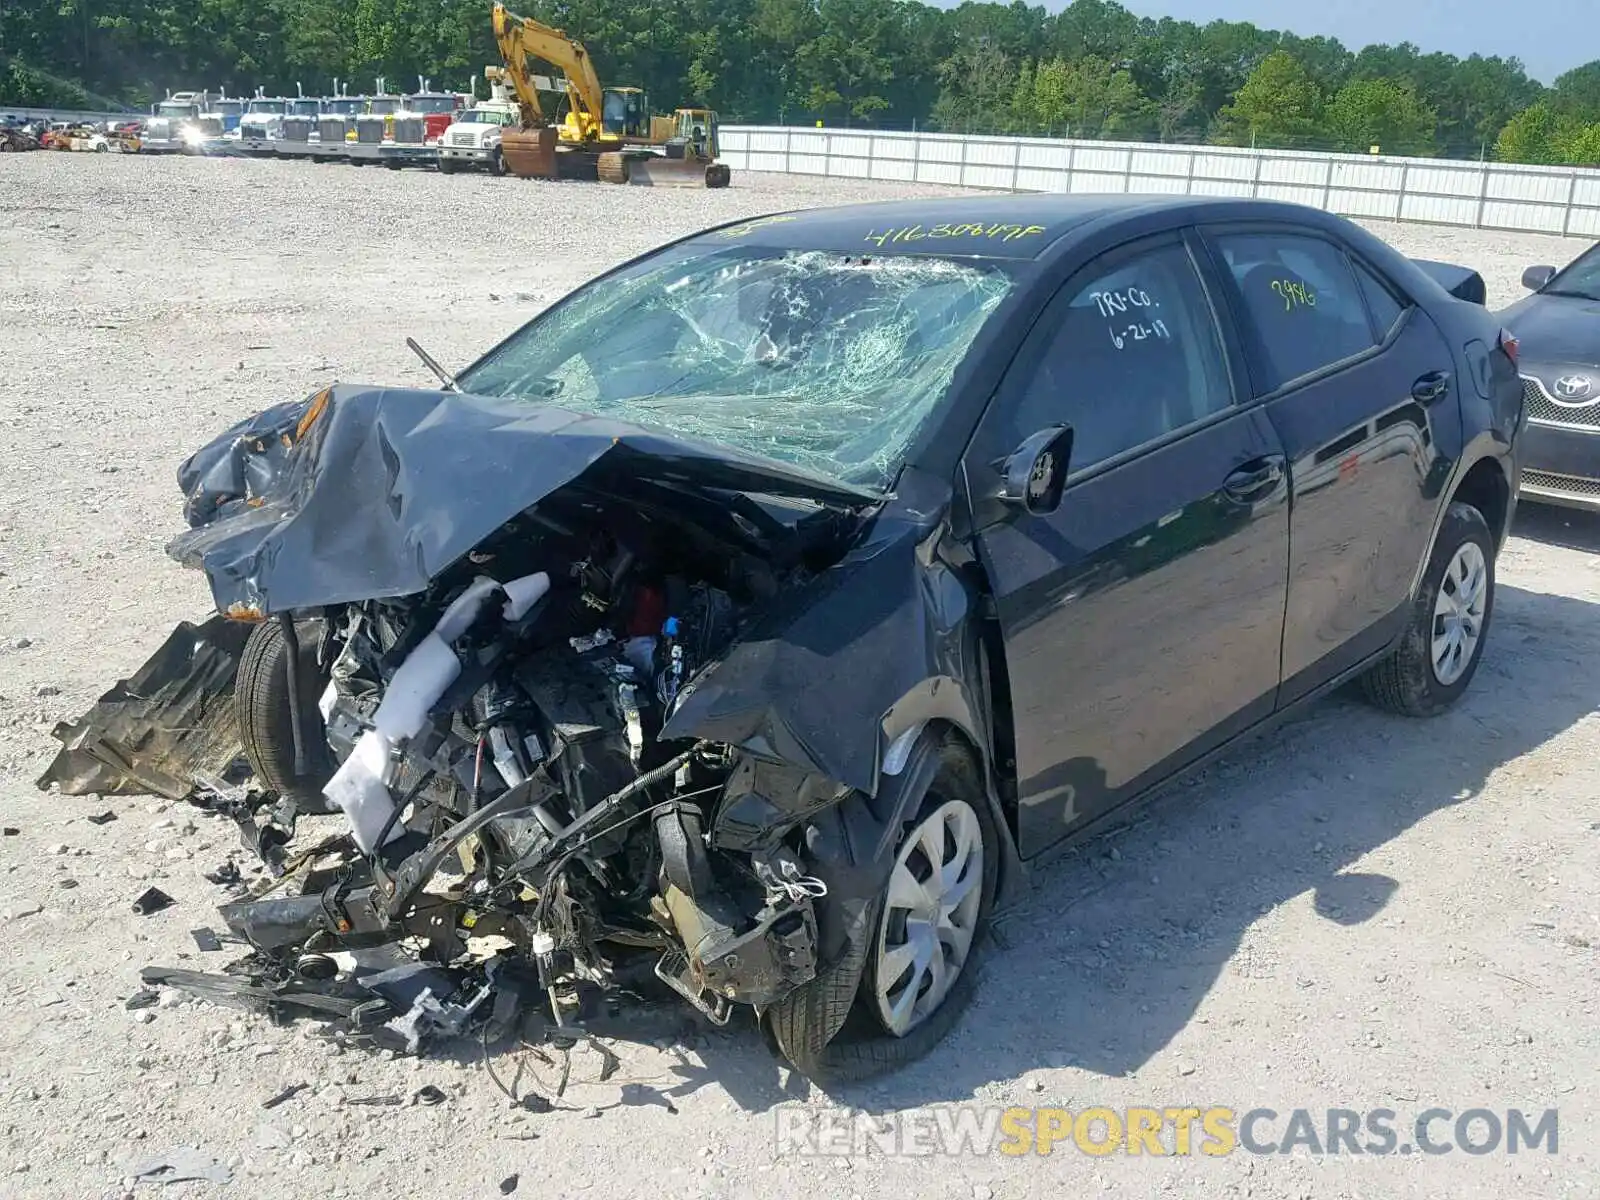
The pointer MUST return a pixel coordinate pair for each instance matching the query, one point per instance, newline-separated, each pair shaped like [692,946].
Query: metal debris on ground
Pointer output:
[183,1163]
[12,831]
[428,1094]
[205,940]
[225,875]
[143,998]
[104,818]
[288,1093]
[378,1101]
[508,1185]
[152,900]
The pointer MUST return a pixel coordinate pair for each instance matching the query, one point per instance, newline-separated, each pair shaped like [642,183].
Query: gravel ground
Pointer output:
[1363,913]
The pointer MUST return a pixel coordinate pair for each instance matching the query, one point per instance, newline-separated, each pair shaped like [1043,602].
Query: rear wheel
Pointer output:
[718,175]
[896,994]
[1438,656]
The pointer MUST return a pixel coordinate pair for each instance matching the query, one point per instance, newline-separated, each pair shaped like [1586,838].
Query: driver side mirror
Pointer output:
[1535,278]
[1033,475]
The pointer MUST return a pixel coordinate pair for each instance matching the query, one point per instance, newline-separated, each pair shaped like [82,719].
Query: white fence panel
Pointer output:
[1560,200]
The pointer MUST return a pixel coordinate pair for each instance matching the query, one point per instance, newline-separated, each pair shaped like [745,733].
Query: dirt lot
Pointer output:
[1365,913]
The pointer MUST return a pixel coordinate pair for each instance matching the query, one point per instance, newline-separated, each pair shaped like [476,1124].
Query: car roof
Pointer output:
[1020,226]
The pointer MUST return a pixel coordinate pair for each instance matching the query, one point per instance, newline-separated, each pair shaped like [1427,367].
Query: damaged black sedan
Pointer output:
[741,624]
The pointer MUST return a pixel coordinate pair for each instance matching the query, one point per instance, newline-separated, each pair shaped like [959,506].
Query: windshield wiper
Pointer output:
[444,376]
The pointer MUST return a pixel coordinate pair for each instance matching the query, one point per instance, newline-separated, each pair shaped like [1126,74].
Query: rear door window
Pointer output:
[1303,305]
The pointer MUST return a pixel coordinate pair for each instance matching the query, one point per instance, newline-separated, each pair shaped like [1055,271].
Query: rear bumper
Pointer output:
[1561,465]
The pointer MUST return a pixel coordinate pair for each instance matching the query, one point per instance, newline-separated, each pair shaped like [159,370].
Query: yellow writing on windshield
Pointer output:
[945,230]
[749,227]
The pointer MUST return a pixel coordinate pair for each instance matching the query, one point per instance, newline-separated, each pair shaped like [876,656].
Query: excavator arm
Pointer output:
[522,38]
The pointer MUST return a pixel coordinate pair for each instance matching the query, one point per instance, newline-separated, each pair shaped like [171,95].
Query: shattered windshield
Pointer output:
[1581,277]
[828,362]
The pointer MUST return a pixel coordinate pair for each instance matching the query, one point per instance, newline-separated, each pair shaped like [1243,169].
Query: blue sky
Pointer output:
[1549,36]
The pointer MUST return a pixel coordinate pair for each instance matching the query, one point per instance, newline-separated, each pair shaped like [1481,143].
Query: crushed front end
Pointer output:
[542,791]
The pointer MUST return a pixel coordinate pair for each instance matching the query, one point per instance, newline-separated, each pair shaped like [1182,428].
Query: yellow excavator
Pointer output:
[607,133]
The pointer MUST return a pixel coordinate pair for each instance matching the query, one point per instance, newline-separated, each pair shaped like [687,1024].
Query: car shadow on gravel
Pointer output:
[1569,528]
[1109,956]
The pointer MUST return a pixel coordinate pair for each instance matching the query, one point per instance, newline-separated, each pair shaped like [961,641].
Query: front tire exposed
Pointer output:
[261,704]
[1438,656]
[898,992]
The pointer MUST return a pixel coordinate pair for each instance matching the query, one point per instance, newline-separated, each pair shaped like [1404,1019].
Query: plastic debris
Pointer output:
[152,901]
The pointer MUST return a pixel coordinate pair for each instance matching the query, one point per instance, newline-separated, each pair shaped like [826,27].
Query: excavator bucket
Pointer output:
[530,153]
[656,170]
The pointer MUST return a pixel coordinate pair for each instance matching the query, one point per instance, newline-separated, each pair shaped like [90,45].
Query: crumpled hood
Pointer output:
[362,493]
[1556,329]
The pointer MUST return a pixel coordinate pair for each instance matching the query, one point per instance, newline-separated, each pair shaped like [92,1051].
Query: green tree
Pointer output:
[979,82]
[1052,95]
[1577,93]
[1100,99]
[1379,112]
[1024,115]
[1532,136]
[1279,104]
[1580,145]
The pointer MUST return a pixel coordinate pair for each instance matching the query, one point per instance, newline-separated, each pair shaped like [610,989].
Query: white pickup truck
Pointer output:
[473,139]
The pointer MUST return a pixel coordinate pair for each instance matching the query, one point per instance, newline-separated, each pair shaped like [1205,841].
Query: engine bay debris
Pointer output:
[531,717]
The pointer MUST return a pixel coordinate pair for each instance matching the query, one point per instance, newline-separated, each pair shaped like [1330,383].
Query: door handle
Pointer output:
[1431,388]
[1255,480]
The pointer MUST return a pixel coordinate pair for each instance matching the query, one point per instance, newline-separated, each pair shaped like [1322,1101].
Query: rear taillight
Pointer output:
[1509,343]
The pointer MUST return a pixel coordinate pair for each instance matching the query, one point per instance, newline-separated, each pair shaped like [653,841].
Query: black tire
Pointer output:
[829,1029]
[1405,682]
[497,163]
[261,704]
[447,166]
